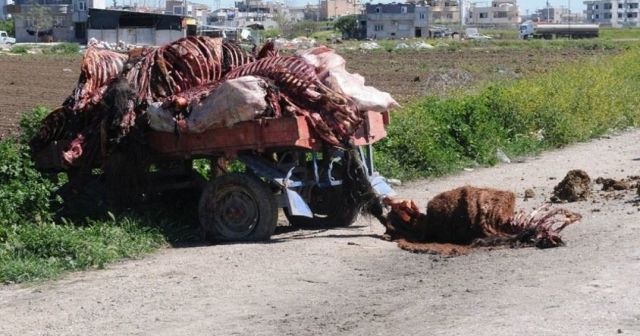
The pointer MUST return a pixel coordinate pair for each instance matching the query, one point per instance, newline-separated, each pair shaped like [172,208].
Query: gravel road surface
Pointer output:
[350,282]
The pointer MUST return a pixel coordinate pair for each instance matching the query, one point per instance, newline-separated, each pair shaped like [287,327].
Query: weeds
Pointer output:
[574,102]
[63,48]
[35,243]
[19,49]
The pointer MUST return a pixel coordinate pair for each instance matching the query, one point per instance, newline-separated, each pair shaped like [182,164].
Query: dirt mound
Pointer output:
[576,186]
[609,184]
[467,217]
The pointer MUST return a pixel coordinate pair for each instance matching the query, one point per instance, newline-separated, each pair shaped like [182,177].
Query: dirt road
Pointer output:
[349,282]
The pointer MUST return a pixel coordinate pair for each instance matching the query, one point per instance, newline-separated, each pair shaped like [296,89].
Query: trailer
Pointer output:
[532,30]
[287,165]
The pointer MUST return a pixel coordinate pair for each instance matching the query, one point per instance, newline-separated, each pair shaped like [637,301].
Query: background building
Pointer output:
[612,13]
[550,14]
[3,12]
[331,9]
[396,20]
[442,12]
[197,11]
[135,28]
[500,13]
[68,19]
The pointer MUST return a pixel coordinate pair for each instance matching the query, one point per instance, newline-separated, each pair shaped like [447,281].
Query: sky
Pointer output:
[530,5]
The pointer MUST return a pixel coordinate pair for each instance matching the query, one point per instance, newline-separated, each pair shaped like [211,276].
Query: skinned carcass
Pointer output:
[199,85]
[232,101]
[334,115]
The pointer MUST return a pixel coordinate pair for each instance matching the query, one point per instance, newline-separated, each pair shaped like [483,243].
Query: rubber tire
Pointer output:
[253,193]
[344,215]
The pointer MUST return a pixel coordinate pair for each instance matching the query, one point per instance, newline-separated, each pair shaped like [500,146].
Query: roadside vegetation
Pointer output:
[37,243]
[575,102]
[620,33]
[64,48]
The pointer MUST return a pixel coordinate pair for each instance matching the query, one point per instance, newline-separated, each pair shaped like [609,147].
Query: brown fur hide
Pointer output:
[458,216]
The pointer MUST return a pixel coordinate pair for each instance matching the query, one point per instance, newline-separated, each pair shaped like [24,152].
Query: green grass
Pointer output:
[36,243]
[502,34]
[575,102]
[63,48]
[508,44]
[325,36]
[31,252]
[620,33]
[19,49]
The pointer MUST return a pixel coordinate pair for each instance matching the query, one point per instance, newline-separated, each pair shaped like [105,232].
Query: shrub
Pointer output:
[33,245]
[19,49]
[24,193]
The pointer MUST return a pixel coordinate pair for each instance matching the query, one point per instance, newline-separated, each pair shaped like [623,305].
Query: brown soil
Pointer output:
[410,74]
[30,80]
[576,186]
[609,184]
[529,193]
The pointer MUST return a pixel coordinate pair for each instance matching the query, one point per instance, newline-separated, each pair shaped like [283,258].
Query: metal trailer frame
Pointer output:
[287,166]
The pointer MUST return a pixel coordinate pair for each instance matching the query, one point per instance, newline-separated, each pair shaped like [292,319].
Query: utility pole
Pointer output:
[548,11]
[569,8]
[461,12]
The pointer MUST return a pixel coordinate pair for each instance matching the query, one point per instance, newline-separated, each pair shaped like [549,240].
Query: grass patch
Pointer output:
[36,243]
[505,44]
[575,102]
[620,33]
[19,49]
[64,48]
[31,252]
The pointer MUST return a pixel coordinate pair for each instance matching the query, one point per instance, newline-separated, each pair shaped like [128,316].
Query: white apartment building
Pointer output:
[500,13]
[613,13]
[396,20]
[551,15]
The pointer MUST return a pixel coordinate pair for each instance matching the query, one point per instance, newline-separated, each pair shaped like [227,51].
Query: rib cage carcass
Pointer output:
[181,74]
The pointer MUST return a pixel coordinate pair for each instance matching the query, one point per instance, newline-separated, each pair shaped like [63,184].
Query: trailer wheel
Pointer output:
[237,207]
[330,208]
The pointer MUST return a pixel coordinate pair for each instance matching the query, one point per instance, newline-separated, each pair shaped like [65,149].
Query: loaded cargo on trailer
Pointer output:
[530,30]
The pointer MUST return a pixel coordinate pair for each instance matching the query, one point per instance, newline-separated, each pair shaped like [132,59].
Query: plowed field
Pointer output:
[30,80]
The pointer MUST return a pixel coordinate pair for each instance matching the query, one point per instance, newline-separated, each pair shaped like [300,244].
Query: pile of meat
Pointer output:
[198,83]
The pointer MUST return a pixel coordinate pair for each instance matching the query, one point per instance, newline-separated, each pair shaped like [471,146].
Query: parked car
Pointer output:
[5,38]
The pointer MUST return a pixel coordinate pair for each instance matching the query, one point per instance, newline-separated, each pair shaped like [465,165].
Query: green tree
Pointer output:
[283,21]
[7,25]
[38,18]
[347,25]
